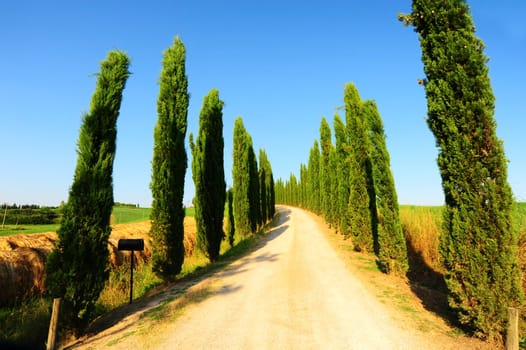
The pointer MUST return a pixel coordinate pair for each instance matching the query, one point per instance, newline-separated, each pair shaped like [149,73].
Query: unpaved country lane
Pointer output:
[292,293]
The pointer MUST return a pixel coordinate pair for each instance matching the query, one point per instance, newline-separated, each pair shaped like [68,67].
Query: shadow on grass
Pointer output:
[429,285]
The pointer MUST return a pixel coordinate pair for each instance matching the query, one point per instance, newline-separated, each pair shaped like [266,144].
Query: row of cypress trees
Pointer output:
[478,245]
[78,268]
[249,203]
[253,187]
[351,185]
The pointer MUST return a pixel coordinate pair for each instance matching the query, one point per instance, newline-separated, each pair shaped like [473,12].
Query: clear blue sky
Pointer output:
[281,65]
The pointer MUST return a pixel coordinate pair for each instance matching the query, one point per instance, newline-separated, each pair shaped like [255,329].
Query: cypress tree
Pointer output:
[325,171]
[241,179]
[77,269]
[209,176]
[342,170]
[359,209]
[313,179]
[392,251]
[253,193]
[169,164]
[333,175]
[302,195]
[478,245]
[231,225]
[265,173]
[262,192]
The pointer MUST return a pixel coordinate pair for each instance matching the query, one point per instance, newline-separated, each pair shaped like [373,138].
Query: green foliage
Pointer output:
[78,267]
[359,210]
[478,245]
[325,172]
[267,194]
[209,176]
[241,179]
[313,179]
[392,251]
[30,216]
[231,225]
[25,325]
[169,164]
[253,193]
[342,174]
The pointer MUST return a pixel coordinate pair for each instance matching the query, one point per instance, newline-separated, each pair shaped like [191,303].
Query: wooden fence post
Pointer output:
[52,334]
[512,335]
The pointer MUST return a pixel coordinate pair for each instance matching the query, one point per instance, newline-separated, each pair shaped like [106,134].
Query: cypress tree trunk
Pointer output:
[78,266]
[478,245]
[209,176]
[359,209]
[392,250]
[169,165]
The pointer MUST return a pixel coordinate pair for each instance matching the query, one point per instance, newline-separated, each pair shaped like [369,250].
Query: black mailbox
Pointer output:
[131,244]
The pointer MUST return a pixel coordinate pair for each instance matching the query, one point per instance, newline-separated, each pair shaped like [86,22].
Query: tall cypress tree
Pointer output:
[342,156]
[78,266]
[169,164]
[253,193]
[333,175]
[268,189]
[359,209]
[302,197]
[478,245]
[392,251]
[325,171]
[313,179]
[209,176]
[241,179]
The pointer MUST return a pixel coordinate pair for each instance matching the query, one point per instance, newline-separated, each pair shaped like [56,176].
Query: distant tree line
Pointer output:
[30,215]
[349,183]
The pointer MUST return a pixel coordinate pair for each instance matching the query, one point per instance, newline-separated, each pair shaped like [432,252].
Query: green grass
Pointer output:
[27,229]
[120,215]
[127,214]
[26,324]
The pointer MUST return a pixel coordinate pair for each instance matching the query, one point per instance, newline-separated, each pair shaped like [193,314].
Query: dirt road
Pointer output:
[294,292]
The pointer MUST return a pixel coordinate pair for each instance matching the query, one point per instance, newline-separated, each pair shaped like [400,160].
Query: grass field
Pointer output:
[120,215]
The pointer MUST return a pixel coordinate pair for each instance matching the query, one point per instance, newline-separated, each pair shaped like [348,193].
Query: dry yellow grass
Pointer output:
[23,257]
[421,226]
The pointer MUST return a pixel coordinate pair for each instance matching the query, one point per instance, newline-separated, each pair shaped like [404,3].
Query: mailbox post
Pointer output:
[132,245]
